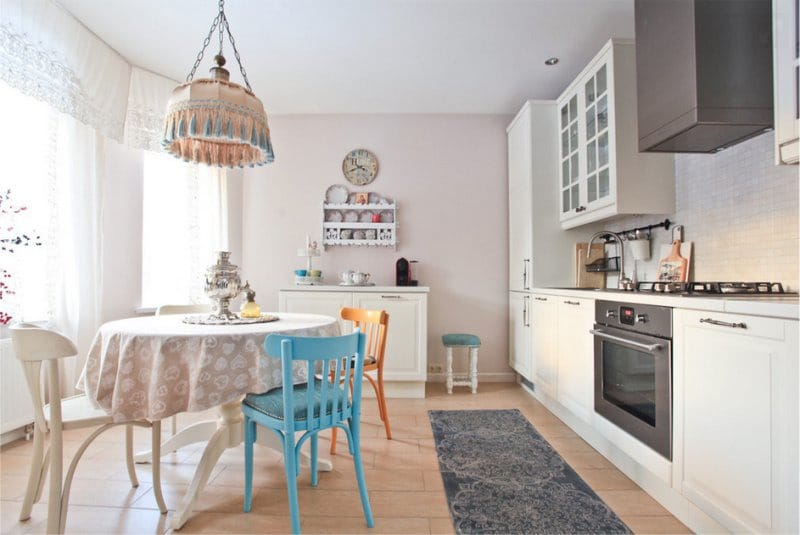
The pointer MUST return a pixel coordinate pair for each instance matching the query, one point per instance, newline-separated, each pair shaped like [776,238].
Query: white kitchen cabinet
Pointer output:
[544,322]
[575,389]
[407,340]
[538,251]
[405,368]
[786,74]
[326,303]
[520,355]
[601,172]
[520,201]
[736,419]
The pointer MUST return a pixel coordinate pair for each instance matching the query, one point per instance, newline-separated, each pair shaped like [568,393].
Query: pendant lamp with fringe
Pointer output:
[214,121]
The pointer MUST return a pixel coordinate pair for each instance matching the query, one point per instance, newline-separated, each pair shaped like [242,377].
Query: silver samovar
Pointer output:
[222,285]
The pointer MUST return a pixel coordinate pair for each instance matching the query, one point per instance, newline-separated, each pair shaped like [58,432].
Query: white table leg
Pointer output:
[229,434]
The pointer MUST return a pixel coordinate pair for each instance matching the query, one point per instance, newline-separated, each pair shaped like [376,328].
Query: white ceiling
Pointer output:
[372,56]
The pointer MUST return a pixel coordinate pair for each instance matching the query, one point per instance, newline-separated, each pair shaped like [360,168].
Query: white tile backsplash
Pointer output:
[740,211]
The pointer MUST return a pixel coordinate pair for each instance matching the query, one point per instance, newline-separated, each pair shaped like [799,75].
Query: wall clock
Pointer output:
[360,167]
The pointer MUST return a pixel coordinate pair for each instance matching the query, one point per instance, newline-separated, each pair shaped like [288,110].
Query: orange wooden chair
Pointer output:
[374,324]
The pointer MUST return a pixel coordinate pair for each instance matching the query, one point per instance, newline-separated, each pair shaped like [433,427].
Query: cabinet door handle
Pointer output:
[525,263]
[580,209]
[391,297]
[526,300]
[724,323]
[572,303]
[540,298]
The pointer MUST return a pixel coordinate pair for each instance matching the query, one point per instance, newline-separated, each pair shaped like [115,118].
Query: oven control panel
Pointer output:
[650,319]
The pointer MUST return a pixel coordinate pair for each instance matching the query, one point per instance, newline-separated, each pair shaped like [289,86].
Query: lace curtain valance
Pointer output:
[48,54]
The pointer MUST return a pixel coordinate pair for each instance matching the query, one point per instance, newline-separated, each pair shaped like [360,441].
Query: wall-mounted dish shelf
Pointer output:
[351,224]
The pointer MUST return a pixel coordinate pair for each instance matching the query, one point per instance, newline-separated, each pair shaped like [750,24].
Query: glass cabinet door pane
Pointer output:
[602,150]
[604,186]
[565,200]
[590,92]
[565,173]
[590,123]
[573,137]
[591,156]
[591,188]
[602,114]
[573,108]
[564,116]
[573,167]
[601,80]
[564,143]
[575,196]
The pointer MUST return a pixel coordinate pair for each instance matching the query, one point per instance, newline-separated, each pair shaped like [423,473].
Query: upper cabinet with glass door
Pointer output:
[603,175]
[786,72]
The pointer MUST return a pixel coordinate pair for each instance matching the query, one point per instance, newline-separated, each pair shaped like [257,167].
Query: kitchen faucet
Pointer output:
[624,283]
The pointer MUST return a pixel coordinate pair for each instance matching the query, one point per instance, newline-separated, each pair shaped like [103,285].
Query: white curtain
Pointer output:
[59,182]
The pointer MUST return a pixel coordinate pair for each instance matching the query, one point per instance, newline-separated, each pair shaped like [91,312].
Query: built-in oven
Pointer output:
[633,370]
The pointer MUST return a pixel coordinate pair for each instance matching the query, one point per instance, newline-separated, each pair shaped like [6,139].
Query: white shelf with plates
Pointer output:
[347,224]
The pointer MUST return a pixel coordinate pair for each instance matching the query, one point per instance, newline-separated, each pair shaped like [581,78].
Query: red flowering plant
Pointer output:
[11,239]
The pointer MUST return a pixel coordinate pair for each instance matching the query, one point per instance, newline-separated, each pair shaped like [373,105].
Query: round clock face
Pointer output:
[360,167]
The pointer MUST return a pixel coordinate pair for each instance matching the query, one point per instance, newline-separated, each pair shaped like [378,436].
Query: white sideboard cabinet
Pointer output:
[405,368]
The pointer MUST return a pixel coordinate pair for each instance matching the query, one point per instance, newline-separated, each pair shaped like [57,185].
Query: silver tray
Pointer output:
[201,319]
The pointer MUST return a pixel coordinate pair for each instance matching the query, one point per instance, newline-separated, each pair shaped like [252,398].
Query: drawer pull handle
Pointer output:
[391,297]
[540,298]
[650,348]
[572,303]
[724,323]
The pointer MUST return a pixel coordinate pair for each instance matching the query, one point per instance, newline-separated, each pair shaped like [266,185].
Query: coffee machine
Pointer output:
[402,270]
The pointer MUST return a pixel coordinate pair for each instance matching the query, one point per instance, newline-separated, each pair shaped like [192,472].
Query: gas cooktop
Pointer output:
[710,289]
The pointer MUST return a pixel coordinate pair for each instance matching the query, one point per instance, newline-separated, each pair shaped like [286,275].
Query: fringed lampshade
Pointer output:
[214,121]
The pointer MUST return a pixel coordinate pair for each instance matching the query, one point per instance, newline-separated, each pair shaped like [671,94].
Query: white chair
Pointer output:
[34,346]
[181,309]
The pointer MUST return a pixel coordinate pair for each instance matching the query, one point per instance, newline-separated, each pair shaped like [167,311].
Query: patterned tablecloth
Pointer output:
[154,367]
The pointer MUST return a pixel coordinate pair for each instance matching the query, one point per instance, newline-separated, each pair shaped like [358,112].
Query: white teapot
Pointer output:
[347,276]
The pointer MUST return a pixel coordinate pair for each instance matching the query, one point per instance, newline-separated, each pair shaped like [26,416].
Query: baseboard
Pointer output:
[397,389]
[11,436]
[491,377]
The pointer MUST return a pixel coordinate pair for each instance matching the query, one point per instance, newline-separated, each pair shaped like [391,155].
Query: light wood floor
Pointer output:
[402,475]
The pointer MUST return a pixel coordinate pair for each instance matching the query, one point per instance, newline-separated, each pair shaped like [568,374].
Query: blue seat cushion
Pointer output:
[461,340]
[271,402]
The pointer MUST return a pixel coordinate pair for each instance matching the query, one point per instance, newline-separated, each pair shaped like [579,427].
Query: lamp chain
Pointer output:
[222,21]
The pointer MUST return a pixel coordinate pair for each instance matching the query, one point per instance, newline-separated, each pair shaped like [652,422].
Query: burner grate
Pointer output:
[701,288]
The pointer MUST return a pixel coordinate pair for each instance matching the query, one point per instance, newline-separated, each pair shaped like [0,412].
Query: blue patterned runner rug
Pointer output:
[501,476]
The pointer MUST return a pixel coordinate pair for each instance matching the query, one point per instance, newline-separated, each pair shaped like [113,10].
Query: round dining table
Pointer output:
[156,366]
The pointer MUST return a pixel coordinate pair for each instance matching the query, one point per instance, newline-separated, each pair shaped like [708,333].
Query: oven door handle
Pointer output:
[646,347]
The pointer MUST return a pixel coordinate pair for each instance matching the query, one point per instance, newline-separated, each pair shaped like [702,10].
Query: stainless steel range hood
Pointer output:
[703,73]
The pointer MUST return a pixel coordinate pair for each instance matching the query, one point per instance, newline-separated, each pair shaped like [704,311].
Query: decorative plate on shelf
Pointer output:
[366,216]
[351,216]
[336,194]
[374,198]
[387,216]
[334,216]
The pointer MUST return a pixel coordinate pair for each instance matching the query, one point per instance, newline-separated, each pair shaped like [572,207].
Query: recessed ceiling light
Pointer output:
[551,61]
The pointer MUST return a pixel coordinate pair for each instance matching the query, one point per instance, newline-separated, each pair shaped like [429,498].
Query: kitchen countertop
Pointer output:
[777,306]
[356,288]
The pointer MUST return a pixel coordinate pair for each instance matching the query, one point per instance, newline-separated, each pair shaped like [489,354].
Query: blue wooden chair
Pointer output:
[320,404]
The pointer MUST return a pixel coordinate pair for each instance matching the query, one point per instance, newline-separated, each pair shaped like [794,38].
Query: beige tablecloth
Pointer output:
[154,367]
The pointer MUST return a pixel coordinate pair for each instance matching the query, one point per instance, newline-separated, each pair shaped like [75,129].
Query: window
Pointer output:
[182,228]
[28,209]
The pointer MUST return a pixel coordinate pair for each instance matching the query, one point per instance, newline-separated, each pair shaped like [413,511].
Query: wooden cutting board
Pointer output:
[673,265]
[584,279]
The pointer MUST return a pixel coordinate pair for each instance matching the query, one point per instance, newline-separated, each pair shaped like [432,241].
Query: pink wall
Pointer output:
[448,176]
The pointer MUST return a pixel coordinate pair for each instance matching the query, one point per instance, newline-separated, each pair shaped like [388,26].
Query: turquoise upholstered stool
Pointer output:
[462,340]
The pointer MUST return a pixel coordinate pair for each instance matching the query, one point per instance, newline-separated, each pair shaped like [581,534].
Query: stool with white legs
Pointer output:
[471,342]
